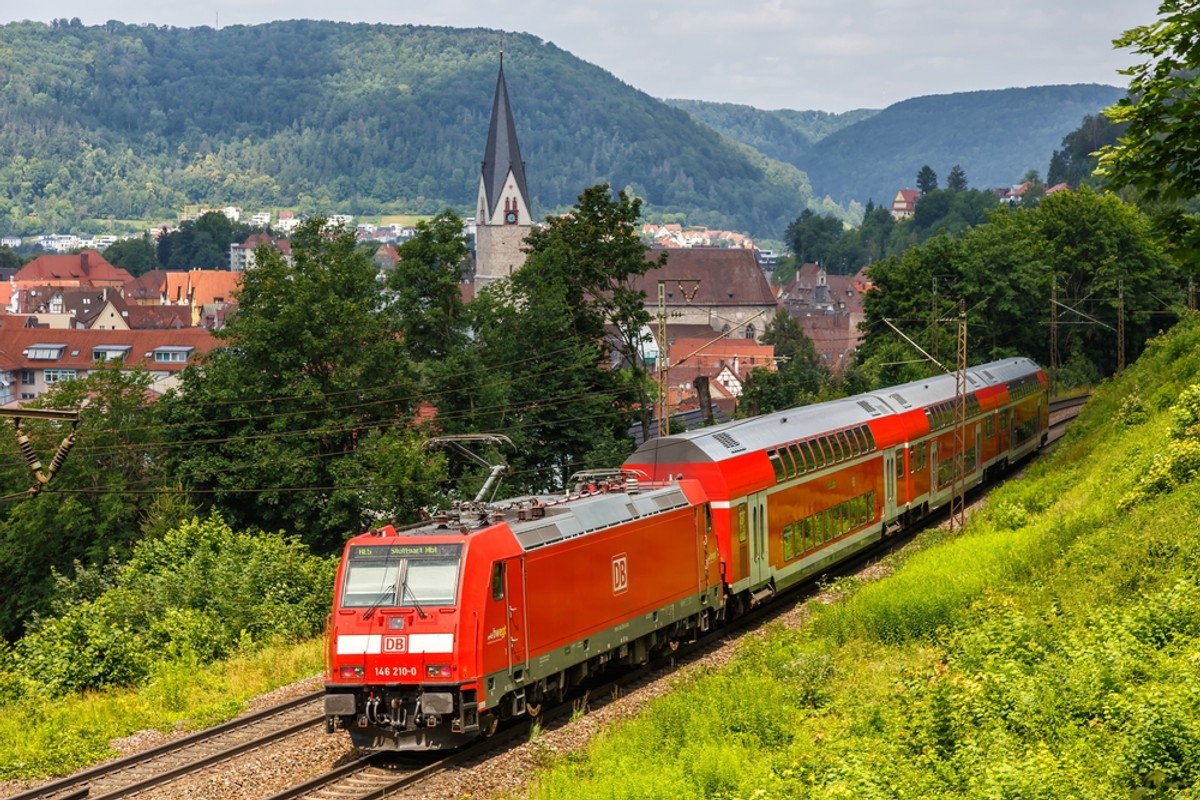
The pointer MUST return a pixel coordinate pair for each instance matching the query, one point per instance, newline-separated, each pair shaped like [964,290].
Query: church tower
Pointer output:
[502,213]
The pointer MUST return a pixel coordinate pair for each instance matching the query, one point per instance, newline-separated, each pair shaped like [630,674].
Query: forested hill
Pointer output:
[132,122]
[996,136]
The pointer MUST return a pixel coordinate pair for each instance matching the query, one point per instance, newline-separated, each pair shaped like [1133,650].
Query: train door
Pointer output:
[518,647]
[889,484]
[978,447]
[760,562]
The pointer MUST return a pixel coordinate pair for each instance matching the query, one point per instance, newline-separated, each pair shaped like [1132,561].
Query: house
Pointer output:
[241,256]
[720,288]
[84,269]
[725,363]
[33,359]
[829,309]
[198,297]
[61,307]
[905,203]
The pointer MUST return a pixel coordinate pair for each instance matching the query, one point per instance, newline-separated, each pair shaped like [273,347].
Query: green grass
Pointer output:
[1050,650]
[47,735]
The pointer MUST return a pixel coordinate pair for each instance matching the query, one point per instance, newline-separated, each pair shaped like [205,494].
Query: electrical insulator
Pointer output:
[23,442]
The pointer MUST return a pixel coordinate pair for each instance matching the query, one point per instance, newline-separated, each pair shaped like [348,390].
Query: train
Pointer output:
[486,611]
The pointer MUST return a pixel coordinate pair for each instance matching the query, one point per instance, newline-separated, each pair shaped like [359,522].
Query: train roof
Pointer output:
[719,442]
[538,520]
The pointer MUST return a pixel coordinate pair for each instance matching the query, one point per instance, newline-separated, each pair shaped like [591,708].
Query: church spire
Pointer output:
[503,154]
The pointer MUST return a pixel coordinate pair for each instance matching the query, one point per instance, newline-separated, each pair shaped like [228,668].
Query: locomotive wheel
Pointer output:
[490,725]
[534,710]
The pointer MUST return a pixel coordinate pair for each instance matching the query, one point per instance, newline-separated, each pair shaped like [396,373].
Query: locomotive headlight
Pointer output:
[437,670]
[350,671]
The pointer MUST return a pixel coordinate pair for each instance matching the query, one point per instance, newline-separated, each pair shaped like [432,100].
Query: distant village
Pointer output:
[69,310]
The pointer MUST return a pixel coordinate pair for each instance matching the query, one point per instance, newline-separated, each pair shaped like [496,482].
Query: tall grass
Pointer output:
[54,734]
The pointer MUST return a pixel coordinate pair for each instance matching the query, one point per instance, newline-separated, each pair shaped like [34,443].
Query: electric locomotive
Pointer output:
[797,491]
[441,630]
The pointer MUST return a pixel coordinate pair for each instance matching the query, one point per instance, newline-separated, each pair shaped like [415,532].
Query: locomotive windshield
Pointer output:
[401,575]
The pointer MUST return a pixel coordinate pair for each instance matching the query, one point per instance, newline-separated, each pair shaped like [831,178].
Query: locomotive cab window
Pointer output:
[400,576]
[498,580]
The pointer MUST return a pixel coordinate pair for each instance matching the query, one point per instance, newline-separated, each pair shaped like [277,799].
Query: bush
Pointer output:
[198,594]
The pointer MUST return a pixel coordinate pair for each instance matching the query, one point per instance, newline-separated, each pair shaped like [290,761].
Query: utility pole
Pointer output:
[1121,325]
[1053,332]
[933,321]
[958,502]
[664,351]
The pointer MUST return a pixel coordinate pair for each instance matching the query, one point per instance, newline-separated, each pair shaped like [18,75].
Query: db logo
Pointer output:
[620,573]
[395,644]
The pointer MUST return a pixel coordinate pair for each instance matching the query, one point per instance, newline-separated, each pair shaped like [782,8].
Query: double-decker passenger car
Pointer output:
[796,491]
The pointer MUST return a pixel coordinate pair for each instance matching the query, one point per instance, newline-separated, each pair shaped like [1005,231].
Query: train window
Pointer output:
[810,461]
[785,452]
[798,458]
[498,580]
[835,446]
[823,450]
[397,582]
[787,543]
[856,441]
[844,441]
[870,437]
[777,463]
[989,425]
[741,515]
[899,454]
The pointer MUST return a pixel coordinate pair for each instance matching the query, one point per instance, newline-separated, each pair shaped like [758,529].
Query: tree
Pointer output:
[926,179]
[201,243]
[9,259]
[273,426]
[137,256]
[957,180]
[93,508]
[426,288]
[813,237]
[556,328]
[1156,153]
[799,377]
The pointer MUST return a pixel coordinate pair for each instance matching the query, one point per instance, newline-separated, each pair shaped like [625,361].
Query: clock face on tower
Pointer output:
[510,218]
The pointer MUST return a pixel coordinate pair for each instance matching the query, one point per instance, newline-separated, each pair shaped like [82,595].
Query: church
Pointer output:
[503,217]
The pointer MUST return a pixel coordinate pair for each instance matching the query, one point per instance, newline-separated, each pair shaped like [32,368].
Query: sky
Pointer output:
[825,55]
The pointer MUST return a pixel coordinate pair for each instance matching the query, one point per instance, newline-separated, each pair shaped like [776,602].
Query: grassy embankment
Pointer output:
[1050,650]
[55,735]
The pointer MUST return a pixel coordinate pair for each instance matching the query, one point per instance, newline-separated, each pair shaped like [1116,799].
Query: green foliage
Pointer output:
[543,331]
[200,593]
[1091,246]
[1159,116]
[201,243]
[1180,464]
[136,256]
[799,377]
[310,371]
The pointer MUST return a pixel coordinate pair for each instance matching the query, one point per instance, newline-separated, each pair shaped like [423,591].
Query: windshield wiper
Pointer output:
[416,603]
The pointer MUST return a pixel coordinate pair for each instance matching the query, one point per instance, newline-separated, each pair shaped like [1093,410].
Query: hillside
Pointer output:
[996,136]
[784,135]
[125,122]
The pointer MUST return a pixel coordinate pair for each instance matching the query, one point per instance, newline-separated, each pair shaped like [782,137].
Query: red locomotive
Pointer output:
[441,630]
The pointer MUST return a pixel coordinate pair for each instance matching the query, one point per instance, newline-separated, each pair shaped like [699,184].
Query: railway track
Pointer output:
[169,761]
